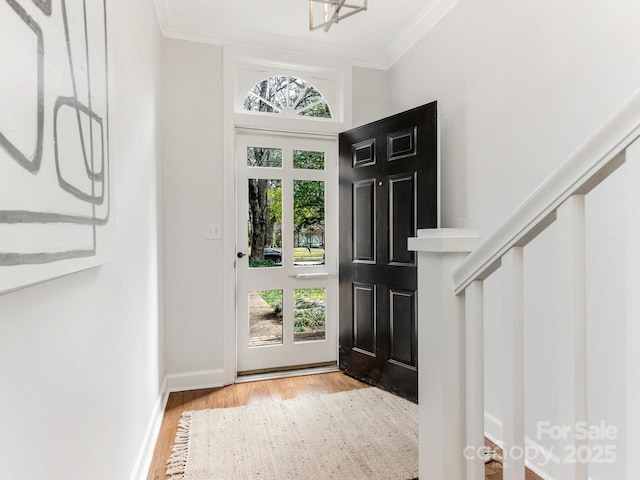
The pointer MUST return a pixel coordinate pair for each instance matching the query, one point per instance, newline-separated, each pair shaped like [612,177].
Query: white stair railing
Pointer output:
[449,451]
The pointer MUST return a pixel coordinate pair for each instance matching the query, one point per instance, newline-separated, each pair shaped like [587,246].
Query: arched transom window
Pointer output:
[287,95]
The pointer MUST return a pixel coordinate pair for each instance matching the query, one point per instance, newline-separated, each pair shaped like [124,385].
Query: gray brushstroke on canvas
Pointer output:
[29,217]
[32,165]
[73,103]
[24,216]
[15,259]
[44,5]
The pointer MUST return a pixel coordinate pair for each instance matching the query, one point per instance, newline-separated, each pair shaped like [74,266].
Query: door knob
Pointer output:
[240,254]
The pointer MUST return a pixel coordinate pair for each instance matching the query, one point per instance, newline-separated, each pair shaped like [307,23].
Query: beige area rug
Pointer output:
[364,434]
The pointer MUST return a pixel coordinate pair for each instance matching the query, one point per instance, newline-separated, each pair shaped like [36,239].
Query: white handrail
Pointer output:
[591,163]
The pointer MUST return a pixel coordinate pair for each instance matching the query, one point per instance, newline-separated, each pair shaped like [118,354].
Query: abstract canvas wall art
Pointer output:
[56,172]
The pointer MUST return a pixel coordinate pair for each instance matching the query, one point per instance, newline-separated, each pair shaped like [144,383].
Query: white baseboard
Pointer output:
[181,382]
[492,428]
[143,462]
[172,383]
[493,431]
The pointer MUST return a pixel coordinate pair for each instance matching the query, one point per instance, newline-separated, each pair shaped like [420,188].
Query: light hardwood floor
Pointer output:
[250,393]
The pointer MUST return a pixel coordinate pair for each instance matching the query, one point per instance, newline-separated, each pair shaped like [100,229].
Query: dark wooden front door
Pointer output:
[388,190]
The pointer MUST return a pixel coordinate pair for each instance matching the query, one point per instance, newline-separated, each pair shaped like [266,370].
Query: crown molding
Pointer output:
[163,10]
[197,32]
[362,57]
[421,25]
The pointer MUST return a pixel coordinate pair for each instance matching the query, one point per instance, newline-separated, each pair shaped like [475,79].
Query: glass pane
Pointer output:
[265,317]
[264,157]
[265,107]
[258,97]
[251,103]
[261,89]
[309,314]
[312,96]
[308,222]
[313,105]
[320,110]
[308,160]
[296,89]
[279,87]
[265,223]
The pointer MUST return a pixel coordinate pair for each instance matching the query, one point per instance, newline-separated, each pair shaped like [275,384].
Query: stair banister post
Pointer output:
[474,333]
[441,357]
[572,330]
[631,439]
[513,363]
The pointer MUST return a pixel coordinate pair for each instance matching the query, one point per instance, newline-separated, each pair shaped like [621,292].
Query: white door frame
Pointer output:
[230,242]
[288,276]
[235,61]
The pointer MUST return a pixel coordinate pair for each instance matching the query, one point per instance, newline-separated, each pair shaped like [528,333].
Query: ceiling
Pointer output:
[375,38]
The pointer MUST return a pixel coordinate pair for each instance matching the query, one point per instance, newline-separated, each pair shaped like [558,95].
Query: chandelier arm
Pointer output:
[336,3]
[337,15]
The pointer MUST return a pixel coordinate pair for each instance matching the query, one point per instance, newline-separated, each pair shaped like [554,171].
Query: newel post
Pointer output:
[441,352]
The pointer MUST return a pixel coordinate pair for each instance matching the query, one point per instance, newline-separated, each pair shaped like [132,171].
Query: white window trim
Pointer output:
[241,66]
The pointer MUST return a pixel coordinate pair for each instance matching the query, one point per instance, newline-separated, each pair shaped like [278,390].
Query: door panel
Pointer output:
[364,328]
[402,217]
[286,285]
[388,190]
[364,153]
[364,219]
[402,326]
[401,144]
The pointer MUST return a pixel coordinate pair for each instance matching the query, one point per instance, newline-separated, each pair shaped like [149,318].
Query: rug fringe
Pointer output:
[177,463]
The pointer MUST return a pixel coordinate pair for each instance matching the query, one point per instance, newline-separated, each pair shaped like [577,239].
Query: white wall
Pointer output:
[192,137]
[371,95]
[81,356]
[520,85]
